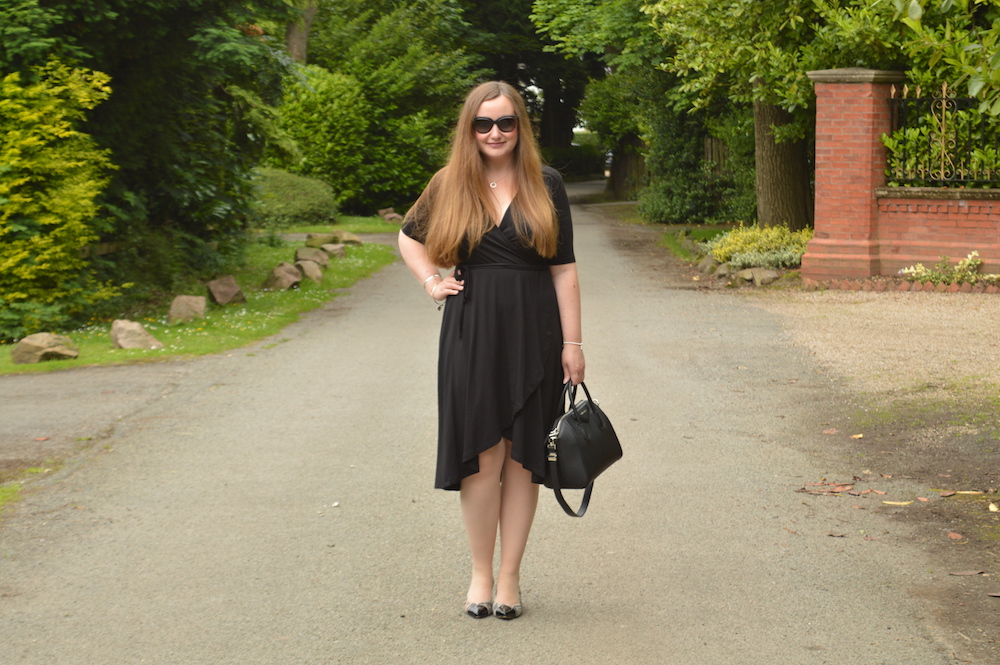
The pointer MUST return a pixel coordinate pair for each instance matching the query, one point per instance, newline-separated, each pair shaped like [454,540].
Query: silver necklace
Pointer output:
[493,183]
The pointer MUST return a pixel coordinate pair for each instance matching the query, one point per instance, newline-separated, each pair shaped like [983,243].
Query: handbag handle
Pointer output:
[569,390]
[565,506]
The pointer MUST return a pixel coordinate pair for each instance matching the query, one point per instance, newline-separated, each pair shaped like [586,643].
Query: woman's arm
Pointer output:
[567,285]
[415,257]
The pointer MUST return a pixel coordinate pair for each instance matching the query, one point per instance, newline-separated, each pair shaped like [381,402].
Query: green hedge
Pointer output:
[286,199]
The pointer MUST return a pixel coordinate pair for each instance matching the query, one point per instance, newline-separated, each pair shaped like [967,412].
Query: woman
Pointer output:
[511,333]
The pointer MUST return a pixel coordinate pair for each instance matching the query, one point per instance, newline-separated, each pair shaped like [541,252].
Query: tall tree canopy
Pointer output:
[759,52]
[190,81]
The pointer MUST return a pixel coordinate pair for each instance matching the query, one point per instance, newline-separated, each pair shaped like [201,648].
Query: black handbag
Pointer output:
[582,444]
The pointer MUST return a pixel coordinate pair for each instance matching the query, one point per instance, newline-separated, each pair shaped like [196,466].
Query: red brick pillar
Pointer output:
[852,113]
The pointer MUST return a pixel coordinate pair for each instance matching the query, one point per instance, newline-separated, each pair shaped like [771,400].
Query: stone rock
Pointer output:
[904,286]
[187,308]
[349,239]
[390,215]
[310,270]
[225,290]
[132,335]
[745,275]
[284,276]
[317,240]
[43,346]
[708,265]
[317,256]
[335,251]
[724,270]
[763,276]
[334,237]
[965,287]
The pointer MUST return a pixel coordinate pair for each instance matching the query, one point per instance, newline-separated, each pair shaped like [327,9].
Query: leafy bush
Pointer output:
[286,199]
[50,175]
[967,271]
[327,115]
[775,259]
[755,246]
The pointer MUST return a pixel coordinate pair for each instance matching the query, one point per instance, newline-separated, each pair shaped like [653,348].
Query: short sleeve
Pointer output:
[413,227]
[564,251]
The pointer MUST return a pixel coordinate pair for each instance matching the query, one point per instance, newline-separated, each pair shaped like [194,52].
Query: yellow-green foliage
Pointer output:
[50,175]
[759,240]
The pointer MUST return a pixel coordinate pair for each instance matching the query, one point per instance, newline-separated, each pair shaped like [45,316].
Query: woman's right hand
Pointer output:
[439,289]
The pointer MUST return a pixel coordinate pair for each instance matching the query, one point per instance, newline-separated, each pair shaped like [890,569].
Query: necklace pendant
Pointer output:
[493,185]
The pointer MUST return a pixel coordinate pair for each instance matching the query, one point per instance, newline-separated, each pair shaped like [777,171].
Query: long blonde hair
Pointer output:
[455,209]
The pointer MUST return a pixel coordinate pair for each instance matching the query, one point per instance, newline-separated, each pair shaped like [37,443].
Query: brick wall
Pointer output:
[921,230]
[863,228]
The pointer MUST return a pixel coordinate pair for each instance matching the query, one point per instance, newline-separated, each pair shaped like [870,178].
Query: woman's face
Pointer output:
[495,145]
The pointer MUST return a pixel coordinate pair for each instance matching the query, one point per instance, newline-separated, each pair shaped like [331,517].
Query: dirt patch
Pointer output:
[917,375]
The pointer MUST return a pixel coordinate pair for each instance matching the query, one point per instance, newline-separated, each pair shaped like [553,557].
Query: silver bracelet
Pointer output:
[430,278]
[580,344]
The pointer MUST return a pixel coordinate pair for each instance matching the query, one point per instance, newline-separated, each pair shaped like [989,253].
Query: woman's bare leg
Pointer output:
[481,514]
[518,500]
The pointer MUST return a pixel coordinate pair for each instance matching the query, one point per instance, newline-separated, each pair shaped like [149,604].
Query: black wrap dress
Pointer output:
[500,359]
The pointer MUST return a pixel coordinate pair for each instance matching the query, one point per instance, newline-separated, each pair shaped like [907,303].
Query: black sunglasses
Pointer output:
[505,123]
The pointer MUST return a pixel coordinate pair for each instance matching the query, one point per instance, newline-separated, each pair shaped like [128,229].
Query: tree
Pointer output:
[510,46]
[759,53]
[186,123]
[630,106]
[964,37]
[297,30]
[406,66]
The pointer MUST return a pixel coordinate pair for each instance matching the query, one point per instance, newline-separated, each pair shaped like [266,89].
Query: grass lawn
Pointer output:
[347,223]
[264,313]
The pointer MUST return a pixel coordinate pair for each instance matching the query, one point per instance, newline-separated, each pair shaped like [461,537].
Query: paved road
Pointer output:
[274,505]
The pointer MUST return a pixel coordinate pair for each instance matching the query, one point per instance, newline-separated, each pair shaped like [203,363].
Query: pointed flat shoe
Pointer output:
[508,612]
[479,610]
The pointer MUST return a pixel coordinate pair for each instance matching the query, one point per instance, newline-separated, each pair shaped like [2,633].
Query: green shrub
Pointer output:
[50,175]
[371,159]
[755,246]
[286,199]
[775,258]
[327,115]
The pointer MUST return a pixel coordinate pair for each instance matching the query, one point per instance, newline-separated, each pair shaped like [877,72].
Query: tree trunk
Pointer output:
[784,172]
[628,168]
[297,32]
